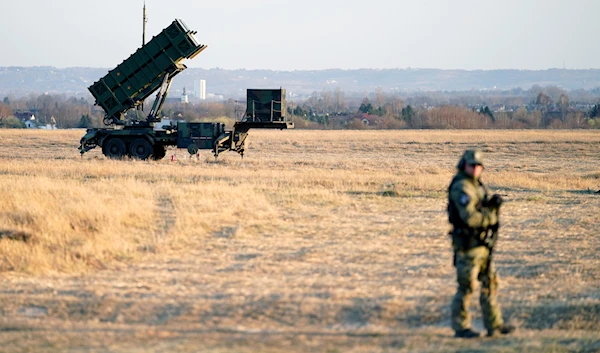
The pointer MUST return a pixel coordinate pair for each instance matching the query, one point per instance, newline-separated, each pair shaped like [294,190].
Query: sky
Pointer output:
[311,34]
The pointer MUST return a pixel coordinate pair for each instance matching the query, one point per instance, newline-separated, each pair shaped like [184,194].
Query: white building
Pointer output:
[31,123]
[184,97]
[200,89]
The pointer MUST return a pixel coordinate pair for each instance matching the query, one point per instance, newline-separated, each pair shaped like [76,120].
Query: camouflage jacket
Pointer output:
[467,212]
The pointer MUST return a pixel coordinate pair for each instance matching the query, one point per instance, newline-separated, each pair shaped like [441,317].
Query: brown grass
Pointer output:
[315,241]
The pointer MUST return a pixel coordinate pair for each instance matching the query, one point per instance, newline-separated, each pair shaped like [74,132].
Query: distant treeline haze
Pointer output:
[538,107]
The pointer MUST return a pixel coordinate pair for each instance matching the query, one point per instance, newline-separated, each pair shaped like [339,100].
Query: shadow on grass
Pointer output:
[585,192]
[15,235]
[410,193]
[557,316]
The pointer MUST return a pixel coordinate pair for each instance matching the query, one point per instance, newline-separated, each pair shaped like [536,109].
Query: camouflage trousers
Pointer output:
[471,266]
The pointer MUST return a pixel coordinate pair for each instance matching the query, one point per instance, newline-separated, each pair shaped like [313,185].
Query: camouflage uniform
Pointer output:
[467,200]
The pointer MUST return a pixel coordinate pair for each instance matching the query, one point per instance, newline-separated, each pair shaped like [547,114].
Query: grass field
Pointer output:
[316,241]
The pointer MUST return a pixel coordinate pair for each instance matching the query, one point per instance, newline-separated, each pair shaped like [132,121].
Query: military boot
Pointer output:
[500,330]
[468,333]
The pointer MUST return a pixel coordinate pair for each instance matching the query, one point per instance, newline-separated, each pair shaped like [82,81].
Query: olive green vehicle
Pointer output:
[152,67]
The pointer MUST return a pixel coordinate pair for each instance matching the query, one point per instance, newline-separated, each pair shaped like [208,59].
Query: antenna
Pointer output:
[144,20]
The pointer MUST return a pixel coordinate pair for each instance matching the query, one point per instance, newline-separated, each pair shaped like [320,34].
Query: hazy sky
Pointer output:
[311,34]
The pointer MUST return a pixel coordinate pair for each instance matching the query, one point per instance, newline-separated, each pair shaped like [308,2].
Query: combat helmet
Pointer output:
[471,157]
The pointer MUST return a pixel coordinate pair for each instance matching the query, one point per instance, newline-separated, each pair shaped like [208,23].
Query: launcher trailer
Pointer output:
[152,68]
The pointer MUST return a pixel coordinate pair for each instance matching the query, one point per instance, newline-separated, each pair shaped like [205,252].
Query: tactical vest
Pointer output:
[453,216]
[463,237]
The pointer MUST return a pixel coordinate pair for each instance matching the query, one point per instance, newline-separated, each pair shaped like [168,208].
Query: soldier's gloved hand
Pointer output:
[490,218]
[495,227]
[495,202]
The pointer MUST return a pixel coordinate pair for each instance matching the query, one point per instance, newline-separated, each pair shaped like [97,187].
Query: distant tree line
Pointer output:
[538,107]
[47,109]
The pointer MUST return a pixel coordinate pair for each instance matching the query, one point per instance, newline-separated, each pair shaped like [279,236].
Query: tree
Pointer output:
[408,114]
[488,112]
[379,97]
[535,91]
[563,100]
[338,101]
[595,111]
[298,111]
[85,121]
[366,107]
[326,102]
[554,92]
[6,101]
[397,104]
[12,122]
[543,99]
[5,111]
[563,104]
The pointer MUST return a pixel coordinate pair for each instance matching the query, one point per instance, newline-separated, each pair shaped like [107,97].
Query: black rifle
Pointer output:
[492,233]
[490,242]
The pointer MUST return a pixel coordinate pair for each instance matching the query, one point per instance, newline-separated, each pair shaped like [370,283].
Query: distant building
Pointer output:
[369,119]
[48,127]
[27,118]
[24,115]
[184,97]
[200,89]
[31,124]
[215,97]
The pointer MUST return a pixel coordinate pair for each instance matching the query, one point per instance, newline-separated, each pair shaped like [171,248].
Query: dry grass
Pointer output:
[316,241]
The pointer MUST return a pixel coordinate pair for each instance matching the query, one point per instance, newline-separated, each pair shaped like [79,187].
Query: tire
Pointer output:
[114,148]
[140,149]
[159,152]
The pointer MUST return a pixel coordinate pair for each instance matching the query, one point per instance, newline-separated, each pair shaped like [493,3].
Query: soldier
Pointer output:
[473,215]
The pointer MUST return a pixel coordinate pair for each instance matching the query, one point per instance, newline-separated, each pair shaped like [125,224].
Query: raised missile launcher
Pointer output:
[151,68]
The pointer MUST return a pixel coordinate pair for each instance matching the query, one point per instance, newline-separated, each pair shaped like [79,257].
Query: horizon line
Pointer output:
[329,69]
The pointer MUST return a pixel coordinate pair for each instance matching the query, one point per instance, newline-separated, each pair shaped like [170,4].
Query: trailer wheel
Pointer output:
[159,152]
[140,148]
[114,148]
